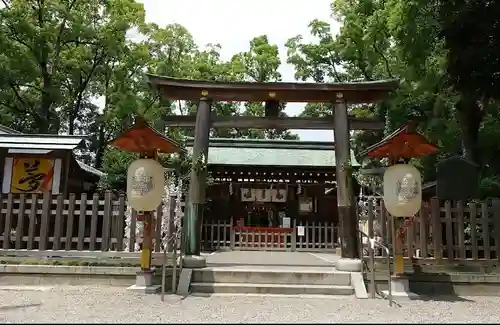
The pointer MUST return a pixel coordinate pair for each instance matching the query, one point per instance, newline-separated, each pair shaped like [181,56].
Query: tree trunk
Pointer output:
[73,113]
[99,155]
[44,109]
[470,115]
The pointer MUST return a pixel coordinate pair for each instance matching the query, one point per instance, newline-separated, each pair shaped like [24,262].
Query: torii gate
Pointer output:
[339,94]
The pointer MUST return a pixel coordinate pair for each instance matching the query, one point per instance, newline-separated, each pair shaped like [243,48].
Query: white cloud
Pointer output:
[233,24]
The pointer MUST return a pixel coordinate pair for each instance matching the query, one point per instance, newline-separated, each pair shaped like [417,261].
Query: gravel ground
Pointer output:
[80,304]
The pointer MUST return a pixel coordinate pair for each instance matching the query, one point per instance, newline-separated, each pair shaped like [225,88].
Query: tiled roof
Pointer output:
[258,152]
[40,143]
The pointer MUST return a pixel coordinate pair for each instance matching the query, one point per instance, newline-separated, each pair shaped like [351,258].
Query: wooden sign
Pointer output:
[32,175]
[457,179]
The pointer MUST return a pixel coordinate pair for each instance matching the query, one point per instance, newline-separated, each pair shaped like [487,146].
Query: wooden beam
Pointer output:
[352,92]
[255,122]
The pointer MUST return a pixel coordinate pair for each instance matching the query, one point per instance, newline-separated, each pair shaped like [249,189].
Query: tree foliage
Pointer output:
[445,57]
[79,67]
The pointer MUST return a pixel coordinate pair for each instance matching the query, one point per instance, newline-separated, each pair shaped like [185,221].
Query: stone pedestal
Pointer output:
[144,282]
[349,265]
[194,262]
[400,289]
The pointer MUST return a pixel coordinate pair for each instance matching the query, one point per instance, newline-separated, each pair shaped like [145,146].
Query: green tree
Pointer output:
[472,63]
[260,64]
[422,44]
[167,51]
[124,88]
[51,51]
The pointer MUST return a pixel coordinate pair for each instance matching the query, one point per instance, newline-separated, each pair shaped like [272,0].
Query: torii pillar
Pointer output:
[195,204]
[350,260]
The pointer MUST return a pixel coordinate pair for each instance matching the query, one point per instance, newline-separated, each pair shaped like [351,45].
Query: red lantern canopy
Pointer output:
[405,142]
[142,138]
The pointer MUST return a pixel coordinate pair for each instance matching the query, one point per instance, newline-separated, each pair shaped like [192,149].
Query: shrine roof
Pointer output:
[39,144]
[40,141]
[353,92]
[270,153]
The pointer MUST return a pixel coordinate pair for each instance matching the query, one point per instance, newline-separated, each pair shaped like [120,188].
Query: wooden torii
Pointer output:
[205,92]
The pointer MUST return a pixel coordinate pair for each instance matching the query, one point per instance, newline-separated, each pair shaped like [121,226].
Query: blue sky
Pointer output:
[233,24]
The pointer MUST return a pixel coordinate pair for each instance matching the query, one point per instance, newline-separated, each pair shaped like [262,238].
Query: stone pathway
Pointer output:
[271,258]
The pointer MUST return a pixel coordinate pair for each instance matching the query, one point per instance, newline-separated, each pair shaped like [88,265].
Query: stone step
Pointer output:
[271,276]
[276,289]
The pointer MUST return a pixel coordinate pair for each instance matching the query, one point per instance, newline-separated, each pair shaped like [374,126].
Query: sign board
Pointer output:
[286,222]
[300,231]
[263,195]
[457,179]
[32,175]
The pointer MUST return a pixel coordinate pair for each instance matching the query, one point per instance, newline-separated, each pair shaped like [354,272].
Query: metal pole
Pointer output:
[164,273]
[372,266]
[371,240]
[390,280]
[174,267]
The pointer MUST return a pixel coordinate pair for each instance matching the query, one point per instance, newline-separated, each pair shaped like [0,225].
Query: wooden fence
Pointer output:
[315,236]
[96,223]
[443,230]
[45,222]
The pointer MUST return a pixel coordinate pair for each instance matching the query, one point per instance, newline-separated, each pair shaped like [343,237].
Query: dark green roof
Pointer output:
[260,152]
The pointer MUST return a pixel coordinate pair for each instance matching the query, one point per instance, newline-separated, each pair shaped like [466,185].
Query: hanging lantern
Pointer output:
[145,184]
[402,190]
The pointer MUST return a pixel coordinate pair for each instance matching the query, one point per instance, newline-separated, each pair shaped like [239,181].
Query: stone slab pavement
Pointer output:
[83,304]
[272,258]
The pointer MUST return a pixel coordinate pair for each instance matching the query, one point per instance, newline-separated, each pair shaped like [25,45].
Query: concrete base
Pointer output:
[358,283]
[144,283]
[272,289]
[349,265]
[272,280]
[143,289]
[194,262]
[401,289]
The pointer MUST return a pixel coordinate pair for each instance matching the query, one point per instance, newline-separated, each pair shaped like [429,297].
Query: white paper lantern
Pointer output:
[145,184]
[402,190]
